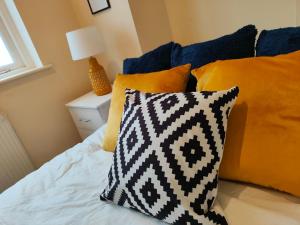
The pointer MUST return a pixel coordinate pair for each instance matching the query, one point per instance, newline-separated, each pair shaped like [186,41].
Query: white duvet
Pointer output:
[65,191]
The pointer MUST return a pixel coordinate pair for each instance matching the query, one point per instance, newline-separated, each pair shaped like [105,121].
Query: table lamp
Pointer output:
[86,43]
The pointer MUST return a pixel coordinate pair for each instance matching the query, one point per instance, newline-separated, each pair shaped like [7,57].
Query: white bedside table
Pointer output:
[89,112]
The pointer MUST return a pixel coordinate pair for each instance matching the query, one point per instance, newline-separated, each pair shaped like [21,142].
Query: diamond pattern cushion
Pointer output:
[168,155]
[173,80]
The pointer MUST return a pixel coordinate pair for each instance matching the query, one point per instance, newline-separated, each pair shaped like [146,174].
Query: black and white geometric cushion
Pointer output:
[168,155]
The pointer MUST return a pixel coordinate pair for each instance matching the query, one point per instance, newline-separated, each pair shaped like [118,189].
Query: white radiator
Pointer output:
[14,162]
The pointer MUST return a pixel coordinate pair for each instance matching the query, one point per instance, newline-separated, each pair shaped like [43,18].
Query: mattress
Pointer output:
[66,190]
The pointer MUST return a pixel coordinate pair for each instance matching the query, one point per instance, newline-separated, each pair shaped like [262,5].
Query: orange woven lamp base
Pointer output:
[99,80]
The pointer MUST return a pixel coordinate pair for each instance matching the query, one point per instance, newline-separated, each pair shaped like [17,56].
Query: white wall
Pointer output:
[198,20]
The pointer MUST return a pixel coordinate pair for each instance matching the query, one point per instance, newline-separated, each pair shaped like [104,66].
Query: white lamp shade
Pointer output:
[84,42]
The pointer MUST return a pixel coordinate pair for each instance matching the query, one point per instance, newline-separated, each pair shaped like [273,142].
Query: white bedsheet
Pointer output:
[65,191]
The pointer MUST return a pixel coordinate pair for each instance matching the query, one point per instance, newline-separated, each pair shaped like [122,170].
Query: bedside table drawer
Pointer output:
[89,112]
[89,119]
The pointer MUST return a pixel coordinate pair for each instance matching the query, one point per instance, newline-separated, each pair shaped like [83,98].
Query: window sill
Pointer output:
[23,73]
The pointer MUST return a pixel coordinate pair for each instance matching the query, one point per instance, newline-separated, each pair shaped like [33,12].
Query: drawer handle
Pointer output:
[85,121]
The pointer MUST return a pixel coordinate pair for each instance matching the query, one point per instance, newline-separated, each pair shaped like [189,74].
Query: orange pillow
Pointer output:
[173,80]
[263,137]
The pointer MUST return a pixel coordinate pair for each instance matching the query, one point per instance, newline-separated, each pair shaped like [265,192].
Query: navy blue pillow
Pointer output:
[240,44]
[278,41]
[153,61]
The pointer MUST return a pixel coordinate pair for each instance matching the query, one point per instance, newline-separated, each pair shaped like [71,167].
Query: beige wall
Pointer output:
[131,27]
[117,29]
[35,104]
[152,23]
[298,12]
[197,20]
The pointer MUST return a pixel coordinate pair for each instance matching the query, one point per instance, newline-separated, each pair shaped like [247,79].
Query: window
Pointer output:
[18,55]
[5,57]
[10,58]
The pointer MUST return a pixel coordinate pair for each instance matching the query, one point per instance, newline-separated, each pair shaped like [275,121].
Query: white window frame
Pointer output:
[19,44]
[12,49]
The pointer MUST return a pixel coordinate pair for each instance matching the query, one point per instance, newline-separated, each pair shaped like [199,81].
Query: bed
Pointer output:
[66,191]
